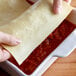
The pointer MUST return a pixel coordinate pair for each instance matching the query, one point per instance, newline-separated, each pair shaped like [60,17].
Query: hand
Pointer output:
[57,5]
[7,40]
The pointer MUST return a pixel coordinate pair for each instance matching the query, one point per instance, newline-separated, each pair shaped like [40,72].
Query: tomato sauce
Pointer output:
[30,2]
[45,48]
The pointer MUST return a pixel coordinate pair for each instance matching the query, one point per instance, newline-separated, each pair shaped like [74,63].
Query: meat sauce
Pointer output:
[45,48]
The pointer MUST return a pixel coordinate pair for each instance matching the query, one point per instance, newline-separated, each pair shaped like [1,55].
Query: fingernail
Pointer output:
[59,10]
[18,41]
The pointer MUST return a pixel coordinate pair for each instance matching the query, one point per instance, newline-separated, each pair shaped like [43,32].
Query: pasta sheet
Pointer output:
[33,26]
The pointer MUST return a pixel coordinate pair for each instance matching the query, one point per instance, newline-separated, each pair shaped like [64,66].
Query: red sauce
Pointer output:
[45,48]
[30,2]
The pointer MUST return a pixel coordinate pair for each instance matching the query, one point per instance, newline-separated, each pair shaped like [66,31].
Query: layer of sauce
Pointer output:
[45,48]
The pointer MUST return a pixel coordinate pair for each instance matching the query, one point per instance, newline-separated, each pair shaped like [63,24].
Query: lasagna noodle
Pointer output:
[33,26]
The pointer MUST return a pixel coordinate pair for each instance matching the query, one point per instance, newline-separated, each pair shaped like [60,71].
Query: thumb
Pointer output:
[8,39]
[57,6]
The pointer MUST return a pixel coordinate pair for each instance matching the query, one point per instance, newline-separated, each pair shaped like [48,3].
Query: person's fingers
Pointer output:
[4,54]
[57,6]
[69,1]
[8,39]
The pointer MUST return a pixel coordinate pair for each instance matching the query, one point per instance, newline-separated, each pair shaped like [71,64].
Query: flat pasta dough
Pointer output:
[11,9]
[33,26]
